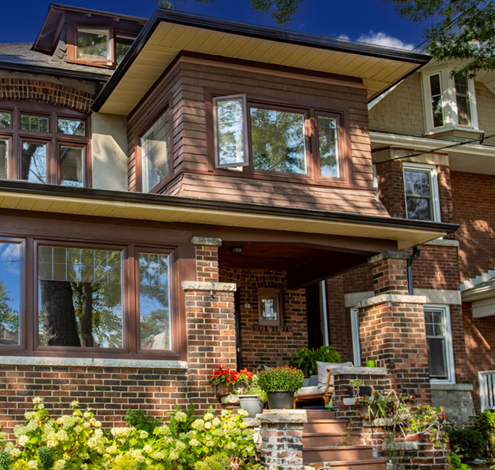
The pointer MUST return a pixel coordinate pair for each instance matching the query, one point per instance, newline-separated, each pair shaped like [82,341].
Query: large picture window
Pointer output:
[114,299]
[253,136]
[44,145]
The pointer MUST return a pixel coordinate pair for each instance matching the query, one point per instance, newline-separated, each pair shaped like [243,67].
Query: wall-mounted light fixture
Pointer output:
[236,250]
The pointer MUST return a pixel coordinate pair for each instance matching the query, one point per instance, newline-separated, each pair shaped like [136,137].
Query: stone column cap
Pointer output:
[209,286]
[392,298]
[208,241]
[283,416]
[388,255]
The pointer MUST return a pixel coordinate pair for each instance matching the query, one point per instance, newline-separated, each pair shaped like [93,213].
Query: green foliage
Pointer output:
[485,423]
[45,458]
[305,359]
[282,11]
[467,443]
[456,463]
[180,424]
[283,378]
[459,30]
[4,460]
[213,462]
[141,421]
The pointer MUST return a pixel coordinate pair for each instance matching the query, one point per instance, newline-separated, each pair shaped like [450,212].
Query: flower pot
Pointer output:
[221,390]
[280,400]
[252,404]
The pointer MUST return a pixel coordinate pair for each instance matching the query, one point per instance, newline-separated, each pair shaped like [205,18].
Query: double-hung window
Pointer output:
[44,144]
[258,137]
[439,343]
[421,192]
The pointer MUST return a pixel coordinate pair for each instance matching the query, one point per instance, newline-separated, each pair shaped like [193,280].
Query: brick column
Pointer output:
[392,328]
[210,323]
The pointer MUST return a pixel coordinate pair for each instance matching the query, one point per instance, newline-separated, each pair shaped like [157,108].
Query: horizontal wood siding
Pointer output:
[188,81]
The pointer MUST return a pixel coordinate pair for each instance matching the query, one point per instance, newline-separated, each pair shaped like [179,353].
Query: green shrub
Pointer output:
[305,359]
[285,378]
[456,463]
[485,423]
[141,421]
[467,443]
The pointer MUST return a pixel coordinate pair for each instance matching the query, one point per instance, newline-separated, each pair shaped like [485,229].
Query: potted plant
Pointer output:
[366,407]
[252,398]
[305,359]
[280,384]
[224,380]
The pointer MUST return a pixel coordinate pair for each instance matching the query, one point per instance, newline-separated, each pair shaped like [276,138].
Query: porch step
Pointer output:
[325,426]
[320,414]
[318,439]
[371,464]
[336,453]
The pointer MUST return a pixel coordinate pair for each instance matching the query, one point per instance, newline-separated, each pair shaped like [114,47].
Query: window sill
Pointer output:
[91,362]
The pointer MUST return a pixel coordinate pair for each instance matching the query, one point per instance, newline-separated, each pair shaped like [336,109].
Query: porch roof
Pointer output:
[162,208]
[168,33]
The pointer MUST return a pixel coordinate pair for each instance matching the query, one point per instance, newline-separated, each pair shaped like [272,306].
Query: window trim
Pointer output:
[449,102]
[130,315]
[449,353]
[312,110]
[435,200]
[165,105]
[270,291]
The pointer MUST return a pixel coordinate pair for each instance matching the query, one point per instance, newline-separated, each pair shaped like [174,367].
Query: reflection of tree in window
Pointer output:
[418,194]
[10,278]
[327,141]
[230,131]
[154,303]
[436,100]
[34,162]
[278,141]
[92,44]
[71,127]
[80,297]
[4,159]
[5,120]
[122,45]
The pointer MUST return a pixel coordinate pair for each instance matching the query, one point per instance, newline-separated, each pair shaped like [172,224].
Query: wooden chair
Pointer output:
[326,394]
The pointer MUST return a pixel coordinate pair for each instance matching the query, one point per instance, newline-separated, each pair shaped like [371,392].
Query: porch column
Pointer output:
[210,323]
[392,327]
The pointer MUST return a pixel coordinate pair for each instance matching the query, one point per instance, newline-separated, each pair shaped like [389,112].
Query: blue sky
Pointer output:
[368,20]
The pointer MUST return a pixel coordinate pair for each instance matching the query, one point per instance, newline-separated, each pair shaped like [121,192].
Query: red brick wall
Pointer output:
[391,187]
[445,195]
[358,280]
[268,345]
[461,359]
[45,92]
[473,199]
[436,268]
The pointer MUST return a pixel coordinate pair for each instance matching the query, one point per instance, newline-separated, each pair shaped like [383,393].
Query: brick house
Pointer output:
[187,192]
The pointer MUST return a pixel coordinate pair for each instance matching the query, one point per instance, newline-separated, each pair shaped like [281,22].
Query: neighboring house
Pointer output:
[172,195]
[423,175]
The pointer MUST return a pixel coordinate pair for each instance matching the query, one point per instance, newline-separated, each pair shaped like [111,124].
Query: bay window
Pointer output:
[113,300]
[45,144]
[258,137]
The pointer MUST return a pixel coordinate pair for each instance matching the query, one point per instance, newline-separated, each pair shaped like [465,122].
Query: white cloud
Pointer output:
[344,36]
[383,39]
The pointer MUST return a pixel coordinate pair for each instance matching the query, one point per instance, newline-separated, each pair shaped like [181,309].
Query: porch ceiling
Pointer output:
[169,33]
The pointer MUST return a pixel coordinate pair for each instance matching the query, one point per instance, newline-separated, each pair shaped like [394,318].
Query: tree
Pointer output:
[458,30]
[282,11]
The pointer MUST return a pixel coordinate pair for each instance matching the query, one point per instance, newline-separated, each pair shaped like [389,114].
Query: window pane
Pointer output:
[278,141]
[4,159]
[154,301]
[436,358]
[80,297]
[34,123]
[417,182]
[230,131]
[121,48]
[327,141]
[155,145]
[436,100]
[419,209]
[71,127]
[269,308]
[10,292]
[418,194]
[462,99]
[5,120]
[71,166]
[34,162]
[93,44]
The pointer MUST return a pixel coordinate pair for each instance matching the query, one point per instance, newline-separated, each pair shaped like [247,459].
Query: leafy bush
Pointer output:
[141,421]
[305,359]
[485,423]
[467,443]
[456,463]
[77,442]
[284,378]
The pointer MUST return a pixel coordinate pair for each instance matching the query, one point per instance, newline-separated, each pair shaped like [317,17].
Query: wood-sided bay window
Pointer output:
[256,137]
[44,144]
[112,300]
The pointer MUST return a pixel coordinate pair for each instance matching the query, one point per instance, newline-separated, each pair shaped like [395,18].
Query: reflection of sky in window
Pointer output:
[153,275]
[10,271]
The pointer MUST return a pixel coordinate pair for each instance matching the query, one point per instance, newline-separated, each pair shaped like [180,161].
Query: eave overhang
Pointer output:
[161,208]
[168,33]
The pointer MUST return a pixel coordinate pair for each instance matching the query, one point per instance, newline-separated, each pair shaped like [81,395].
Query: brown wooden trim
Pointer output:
[72,46]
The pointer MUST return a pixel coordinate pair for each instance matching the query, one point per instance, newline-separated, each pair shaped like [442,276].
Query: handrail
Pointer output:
[486,381]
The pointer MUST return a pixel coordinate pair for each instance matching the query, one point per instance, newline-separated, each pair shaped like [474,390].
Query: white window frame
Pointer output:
[449,352]
[449,102]
[435,200]
[356,340]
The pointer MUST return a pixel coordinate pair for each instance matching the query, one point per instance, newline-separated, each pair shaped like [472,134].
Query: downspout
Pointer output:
[415,255]
[324,312]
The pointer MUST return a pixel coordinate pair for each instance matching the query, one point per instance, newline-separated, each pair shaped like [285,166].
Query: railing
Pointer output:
[487,389]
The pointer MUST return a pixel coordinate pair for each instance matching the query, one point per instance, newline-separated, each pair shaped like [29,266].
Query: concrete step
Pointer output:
[336,453]
[319,439]
[371,464]
[325,425]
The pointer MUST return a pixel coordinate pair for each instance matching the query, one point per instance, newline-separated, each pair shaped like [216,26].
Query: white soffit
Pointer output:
[169,39]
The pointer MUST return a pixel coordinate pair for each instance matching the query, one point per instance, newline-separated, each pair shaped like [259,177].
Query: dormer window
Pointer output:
[450,102]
